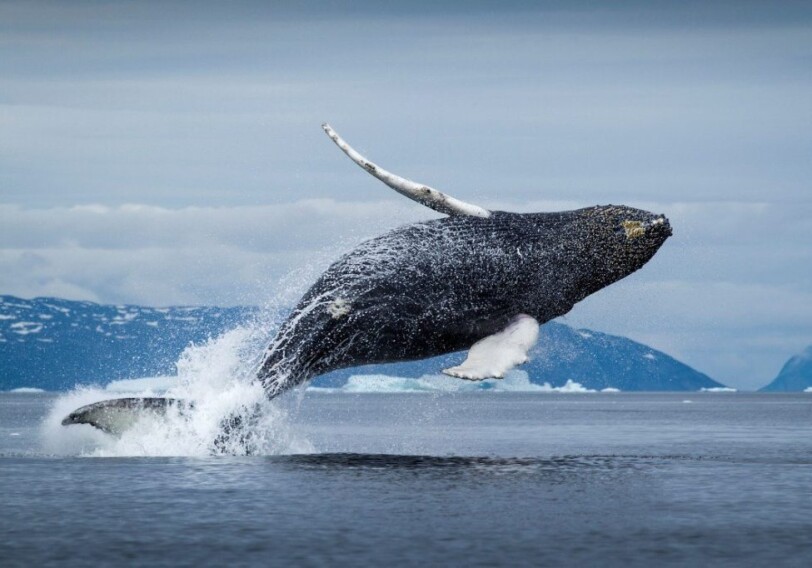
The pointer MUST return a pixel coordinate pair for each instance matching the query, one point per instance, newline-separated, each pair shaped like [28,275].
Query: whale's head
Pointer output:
[638,234]
[569,255]
[616,240]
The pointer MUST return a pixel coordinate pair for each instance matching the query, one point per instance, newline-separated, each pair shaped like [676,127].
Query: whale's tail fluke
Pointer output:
[117,415]
[419,192]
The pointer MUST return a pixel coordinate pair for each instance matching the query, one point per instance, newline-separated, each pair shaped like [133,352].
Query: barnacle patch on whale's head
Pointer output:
[633,229]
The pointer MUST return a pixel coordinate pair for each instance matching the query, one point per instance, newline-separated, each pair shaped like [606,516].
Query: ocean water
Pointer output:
[416,479]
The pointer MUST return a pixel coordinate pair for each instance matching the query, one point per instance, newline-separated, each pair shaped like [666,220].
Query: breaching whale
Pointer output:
[475,279]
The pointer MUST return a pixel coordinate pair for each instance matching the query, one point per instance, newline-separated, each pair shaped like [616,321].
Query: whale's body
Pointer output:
[441,286]
[476,279]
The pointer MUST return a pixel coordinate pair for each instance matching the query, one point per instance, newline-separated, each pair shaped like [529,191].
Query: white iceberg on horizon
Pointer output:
[515,381]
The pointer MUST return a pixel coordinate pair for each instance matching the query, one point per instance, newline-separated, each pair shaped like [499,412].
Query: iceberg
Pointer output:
[514,381]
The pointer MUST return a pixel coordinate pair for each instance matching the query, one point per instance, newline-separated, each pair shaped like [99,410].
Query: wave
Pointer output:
[26,390]
[718,389]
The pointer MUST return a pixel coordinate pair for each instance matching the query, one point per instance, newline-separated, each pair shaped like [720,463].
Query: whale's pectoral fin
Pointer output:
[493,356]
[119,414]
[419,192]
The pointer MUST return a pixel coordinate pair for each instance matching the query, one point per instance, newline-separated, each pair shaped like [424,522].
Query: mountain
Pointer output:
[595,360]
[54,344]
[795,376]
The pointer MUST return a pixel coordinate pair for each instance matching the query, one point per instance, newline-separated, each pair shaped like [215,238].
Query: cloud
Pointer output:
[193,255]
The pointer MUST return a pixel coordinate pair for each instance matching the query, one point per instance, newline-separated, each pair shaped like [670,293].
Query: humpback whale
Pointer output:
[474,279]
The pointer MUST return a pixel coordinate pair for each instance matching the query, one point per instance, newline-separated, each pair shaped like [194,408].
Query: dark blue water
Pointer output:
[478,479]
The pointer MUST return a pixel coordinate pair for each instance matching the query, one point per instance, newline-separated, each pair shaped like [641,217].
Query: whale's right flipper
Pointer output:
[119,414]
[419,192]
[500,352]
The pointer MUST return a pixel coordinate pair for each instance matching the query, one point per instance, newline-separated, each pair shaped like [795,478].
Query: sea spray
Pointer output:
[217,379]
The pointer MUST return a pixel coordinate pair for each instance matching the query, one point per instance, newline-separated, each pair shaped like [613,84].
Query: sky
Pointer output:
[166,153]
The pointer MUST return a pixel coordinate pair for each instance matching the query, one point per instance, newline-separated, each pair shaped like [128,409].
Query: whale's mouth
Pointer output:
[659,225]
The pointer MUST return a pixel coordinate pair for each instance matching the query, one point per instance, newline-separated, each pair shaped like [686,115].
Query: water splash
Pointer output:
[218,379]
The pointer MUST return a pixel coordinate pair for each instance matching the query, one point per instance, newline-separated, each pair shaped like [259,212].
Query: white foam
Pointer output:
[217,379]
[718,389]
[808,389]
[26,390]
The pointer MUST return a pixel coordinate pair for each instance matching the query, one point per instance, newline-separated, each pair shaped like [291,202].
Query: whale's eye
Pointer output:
[633,229]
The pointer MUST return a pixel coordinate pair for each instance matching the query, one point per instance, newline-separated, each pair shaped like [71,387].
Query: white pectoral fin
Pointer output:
[419,192]
[500,352]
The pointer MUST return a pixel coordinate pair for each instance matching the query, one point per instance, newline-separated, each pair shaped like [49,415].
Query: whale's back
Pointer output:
[430,288]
